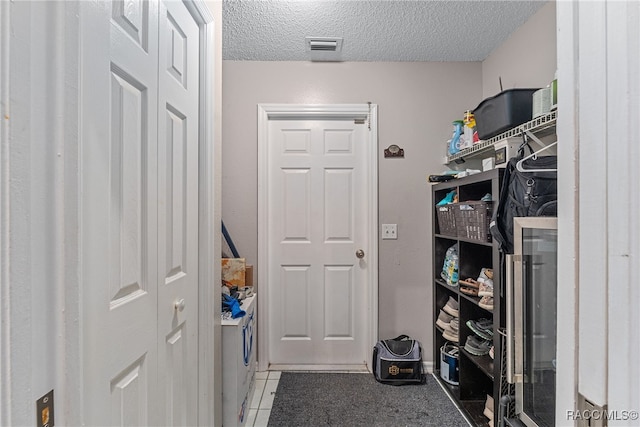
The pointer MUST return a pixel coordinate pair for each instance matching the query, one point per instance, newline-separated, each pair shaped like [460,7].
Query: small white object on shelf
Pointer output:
[488,163]
[467,172]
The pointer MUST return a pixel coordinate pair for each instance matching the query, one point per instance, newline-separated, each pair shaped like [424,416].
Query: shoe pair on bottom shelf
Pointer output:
[488,410]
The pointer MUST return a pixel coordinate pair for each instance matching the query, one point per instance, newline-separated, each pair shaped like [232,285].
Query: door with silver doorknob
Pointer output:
[317,241]
[179,304]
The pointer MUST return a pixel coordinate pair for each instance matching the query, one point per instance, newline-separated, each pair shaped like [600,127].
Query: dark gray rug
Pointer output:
[323,399]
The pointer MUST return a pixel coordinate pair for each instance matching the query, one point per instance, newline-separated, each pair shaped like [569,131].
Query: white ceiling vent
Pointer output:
[324,48]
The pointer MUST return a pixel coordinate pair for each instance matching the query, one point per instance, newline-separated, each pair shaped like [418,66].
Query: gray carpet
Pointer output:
[323,399]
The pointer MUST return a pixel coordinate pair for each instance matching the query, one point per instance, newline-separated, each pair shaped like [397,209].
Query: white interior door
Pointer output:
[138,220]
[317,220]
[178,213]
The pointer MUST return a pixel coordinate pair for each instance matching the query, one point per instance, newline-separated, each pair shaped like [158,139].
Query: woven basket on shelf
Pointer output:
[472,220]
[447,219]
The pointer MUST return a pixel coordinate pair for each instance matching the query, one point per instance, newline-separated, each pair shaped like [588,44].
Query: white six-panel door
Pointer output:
[178,213]
[317,221]
[139,214]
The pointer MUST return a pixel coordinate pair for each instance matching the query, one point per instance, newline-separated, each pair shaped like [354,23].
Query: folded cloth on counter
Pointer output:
[232,304]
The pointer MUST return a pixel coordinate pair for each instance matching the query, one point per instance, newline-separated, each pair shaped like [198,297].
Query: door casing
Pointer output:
[367,112]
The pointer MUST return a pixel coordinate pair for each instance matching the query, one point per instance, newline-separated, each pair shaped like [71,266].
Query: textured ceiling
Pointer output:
[382,30]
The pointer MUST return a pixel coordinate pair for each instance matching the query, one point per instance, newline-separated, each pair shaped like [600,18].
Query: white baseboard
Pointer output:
[427,367]
[319,368]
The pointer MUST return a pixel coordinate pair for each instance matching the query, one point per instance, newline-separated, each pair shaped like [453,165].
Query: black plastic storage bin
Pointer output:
[504,111]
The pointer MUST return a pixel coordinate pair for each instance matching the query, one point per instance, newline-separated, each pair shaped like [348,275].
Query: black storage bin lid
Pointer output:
[504,111]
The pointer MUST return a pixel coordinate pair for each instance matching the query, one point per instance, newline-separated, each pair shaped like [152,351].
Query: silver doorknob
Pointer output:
[360,253]
[179,304]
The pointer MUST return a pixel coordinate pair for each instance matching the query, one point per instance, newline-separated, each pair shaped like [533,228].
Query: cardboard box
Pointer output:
[248,276]
[505,149]
[234,272]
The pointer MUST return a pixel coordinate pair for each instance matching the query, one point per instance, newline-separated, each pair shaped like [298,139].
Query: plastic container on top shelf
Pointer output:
[506,110]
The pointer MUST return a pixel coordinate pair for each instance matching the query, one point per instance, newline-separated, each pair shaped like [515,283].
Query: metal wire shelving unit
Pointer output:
[540,125]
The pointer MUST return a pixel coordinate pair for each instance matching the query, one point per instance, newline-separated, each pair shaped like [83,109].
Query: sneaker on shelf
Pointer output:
[452,307]
[443,319]
[451,331]
[486,302]
[477,346]
[486,288]
[488,408]
[482,328]
[492,353]
[485,273]
[454,325]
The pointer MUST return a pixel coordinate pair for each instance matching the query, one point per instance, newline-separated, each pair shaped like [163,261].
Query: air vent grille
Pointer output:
[324,44]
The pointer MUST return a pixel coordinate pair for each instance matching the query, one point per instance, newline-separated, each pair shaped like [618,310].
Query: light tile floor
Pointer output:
[265,391]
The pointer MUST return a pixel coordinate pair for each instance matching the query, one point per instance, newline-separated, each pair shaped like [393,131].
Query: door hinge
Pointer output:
[359,121]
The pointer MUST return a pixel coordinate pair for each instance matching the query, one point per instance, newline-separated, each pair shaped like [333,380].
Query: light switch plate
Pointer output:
[389,231]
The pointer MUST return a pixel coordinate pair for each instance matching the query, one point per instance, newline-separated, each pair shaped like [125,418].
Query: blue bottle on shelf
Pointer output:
[454,143]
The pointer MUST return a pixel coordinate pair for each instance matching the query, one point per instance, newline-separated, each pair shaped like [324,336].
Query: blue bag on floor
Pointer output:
[398,361]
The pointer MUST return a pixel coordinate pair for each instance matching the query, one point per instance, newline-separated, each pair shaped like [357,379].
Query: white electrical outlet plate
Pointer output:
[389,231]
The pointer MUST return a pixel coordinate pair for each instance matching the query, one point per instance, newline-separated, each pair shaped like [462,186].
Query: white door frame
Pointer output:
[21,384]
[598,249]
[266,112]
[209,235]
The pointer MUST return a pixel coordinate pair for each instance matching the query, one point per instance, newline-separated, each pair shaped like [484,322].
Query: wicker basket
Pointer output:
[472,220]
[447,219]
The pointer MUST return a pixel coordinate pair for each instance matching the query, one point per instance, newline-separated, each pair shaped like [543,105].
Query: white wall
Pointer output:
[527,59]
[34,165]
[417,103]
